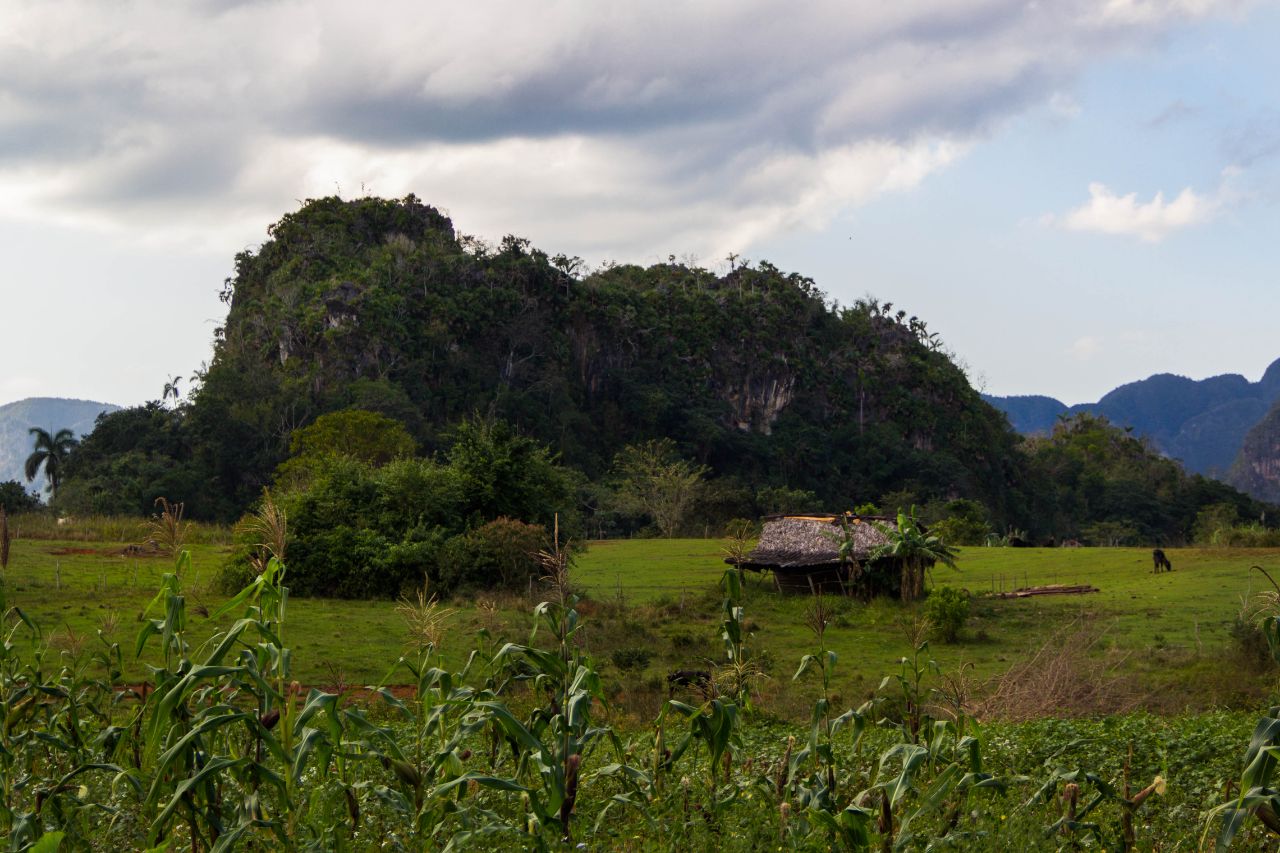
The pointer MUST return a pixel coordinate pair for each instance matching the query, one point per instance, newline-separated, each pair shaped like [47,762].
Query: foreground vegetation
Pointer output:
[220,746]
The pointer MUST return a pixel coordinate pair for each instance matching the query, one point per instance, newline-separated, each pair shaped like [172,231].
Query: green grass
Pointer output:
[661,595]
[1173,627]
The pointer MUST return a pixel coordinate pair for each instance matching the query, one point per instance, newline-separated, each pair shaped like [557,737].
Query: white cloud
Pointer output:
[1064,106]
[1152,221]
[630,130]
[1085,348]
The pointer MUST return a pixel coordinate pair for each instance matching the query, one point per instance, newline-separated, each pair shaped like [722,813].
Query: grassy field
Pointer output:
[1167,634]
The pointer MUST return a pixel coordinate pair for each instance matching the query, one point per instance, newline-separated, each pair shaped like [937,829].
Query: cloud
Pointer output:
[1152,221]
[1178,110]
[1085,348]
[632,129]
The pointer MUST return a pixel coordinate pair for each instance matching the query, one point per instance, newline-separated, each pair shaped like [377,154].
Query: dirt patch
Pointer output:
[143,550]
[66,552]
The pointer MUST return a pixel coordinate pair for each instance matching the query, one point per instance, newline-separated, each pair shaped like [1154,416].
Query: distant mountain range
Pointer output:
[50,413]
[1202,422]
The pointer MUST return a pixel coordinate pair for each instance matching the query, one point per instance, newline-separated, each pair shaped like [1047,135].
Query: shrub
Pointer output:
[500,554]
[343,562]
[965,524]
[627,659]
[684,640]
[1252,535]
[947,609]
[351,433]
[360,530]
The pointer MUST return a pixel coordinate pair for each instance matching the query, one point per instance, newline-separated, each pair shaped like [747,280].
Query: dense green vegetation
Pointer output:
[502,745]
[15,499]
[361,531]
[1095,482]
[677,398]
[380,305]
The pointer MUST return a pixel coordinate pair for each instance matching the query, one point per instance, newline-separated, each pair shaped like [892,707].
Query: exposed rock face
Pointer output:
[1257,468]
[757,403]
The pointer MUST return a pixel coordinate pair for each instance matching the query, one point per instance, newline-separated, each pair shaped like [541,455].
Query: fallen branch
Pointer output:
[1052,589]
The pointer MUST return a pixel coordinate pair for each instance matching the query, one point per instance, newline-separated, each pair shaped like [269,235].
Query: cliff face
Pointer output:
[1257,467]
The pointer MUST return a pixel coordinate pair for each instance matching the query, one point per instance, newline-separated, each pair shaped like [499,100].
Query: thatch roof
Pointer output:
[802,541]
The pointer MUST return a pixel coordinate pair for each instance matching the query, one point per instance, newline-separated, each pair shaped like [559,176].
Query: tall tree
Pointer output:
[51,452]
[171,389]
[654,480]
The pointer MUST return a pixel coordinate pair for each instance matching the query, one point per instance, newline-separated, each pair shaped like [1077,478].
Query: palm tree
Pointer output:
[915,549]
[171,389]
[51,451]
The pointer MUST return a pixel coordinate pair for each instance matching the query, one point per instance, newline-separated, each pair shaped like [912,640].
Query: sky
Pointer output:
[1074,194]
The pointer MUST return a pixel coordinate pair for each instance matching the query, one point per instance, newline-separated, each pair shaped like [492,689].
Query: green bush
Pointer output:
[14,498]
[343,562]
[360,530]
[947,609]
[964,522]
[500,554]
[628,659]
[1248,536]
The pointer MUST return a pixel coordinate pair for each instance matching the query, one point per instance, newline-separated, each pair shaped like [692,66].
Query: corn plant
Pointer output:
[1078,805]
[54,736]
[1259,786]
[930,774]
[551,744]
[818,791]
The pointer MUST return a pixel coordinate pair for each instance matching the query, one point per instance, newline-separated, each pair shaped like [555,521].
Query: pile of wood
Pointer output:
[1051,589]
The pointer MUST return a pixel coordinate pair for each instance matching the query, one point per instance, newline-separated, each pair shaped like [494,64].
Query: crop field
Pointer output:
[480,761]
[1169,634]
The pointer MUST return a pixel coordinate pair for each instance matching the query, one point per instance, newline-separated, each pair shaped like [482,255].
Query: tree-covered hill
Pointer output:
[381,305]
[752,376]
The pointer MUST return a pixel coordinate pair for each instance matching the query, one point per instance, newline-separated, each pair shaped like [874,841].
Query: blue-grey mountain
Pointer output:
[48,413]
[1202,422]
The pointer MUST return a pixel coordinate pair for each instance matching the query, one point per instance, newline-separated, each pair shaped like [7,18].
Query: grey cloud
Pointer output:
[1255,142]
[146,102]
[1178,110]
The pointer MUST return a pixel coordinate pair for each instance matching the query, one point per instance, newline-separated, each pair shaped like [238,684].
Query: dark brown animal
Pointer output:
[699,678]
[1162,563]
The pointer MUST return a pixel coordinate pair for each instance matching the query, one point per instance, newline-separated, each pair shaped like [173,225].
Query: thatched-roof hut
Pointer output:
[803,553]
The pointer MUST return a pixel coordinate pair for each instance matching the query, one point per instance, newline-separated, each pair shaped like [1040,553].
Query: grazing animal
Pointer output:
[698,678]
[1162,563]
